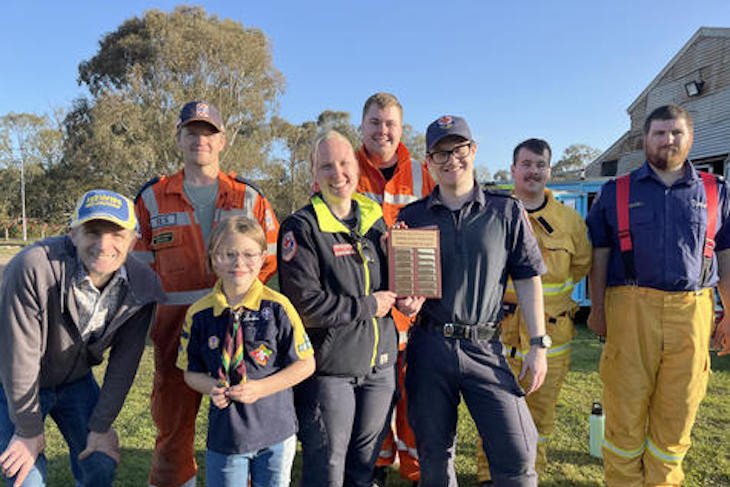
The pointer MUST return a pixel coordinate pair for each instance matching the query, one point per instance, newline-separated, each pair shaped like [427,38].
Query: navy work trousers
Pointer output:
[439,370]
[340,420]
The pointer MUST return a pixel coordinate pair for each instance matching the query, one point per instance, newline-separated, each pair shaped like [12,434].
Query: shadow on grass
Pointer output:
[563,482]
[133,471]
[572,457]
[585,350]
[720,363]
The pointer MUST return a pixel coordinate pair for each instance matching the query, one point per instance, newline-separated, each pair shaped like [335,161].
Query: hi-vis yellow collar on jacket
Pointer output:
[370,212]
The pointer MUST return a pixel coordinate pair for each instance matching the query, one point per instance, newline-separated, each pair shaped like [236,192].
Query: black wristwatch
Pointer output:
[543,341]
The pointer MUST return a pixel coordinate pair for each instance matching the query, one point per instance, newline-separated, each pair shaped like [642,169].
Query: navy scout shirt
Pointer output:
[274,337]
[667,227]
[488,240]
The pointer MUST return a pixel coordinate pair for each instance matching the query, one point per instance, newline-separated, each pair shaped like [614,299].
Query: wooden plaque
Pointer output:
[414,262]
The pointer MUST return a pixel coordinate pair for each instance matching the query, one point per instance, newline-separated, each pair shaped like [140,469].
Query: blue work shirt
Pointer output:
[482,244]
[667,227]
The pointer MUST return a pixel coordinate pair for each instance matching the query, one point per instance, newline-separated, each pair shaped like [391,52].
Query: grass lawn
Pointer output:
[707,464]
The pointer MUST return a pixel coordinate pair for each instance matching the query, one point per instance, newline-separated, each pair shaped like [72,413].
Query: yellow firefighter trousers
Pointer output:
[654,367]
[541,402]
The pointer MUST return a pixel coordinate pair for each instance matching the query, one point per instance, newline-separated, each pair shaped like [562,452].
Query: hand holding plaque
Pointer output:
[414,262]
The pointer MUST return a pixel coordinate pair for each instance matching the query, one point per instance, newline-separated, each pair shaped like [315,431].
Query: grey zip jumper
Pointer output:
[40,340]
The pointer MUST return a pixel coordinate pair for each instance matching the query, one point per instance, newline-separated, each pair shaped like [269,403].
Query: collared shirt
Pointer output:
[96,308]
[482,244]
[667,227]
[274,338]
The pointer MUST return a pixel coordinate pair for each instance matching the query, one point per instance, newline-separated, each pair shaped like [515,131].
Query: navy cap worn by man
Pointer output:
[454,349]
[63,302]
[177,213]
[200,111]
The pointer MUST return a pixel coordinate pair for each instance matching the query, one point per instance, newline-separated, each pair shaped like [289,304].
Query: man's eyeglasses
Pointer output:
[441,157]
[232,256]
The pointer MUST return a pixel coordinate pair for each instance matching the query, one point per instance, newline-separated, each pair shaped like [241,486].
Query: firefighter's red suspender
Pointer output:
[624,233]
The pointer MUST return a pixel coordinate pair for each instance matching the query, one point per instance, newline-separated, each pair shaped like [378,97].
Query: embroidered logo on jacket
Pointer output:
[213,342]
[261,354]
[343,249]
[288,246]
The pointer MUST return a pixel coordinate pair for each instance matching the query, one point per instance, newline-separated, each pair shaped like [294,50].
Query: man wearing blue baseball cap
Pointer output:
[454,349]
[63,302]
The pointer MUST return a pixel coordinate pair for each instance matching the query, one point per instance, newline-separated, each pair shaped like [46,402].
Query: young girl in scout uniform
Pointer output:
[244,345]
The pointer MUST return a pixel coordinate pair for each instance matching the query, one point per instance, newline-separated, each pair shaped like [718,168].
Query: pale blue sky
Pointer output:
[562,70]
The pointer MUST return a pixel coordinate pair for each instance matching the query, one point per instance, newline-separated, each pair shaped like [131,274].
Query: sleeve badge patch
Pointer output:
[261,354]
[288,246]
[305,345]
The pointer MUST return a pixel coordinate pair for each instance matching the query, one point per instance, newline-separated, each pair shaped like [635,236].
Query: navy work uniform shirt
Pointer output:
[482,244]
[667,227]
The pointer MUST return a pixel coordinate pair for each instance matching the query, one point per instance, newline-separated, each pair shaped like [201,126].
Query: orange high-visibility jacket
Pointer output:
[411,181]
[172,242]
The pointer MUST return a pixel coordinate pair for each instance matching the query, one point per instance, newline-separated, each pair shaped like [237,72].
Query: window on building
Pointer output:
[609,168]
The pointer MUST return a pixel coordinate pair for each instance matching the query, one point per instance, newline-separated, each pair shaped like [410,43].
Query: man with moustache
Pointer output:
[177,214]
[563,240]
[454,349]
[661,242]
[389,176]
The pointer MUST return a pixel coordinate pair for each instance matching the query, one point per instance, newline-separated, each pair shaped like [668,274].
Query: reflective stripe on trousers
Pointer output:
[654,368]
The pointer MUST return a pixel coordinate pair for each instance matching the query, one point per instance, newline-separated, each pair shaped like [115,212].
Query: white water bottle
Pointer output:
[597,424]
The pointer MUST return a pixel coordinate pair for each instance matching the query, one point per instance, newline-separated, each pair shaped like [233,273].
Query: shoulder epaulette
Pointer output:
[247,182]
[146,185]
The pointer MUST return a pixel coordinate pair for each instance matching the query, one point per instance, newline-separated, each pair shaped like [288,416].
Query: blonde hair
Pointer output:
[330,134]
[382,100]
[235,224]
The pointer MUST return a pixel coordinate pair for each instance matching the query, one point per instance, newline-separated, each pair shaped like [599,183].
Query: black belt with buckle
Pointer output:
[479,331]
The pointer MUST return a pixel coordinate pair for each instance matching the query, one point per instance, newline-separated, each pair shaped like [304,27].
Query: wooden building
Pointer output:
[698,79]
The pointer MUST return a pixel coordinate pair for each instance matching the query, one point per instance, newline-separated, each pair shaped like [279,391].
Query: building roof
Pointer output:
[701,32]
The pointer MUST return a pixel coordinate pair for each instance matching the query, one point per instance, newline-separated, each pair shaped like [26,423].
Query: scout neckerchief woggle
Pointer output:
[233,369]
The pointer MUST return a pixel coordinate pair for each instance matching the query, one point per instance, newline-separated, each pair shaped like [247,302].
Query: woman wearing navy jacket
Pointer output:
[333,269]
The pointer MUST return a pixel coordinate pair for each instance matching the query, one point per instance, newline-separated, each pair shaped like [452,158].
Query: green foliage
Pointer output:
[502,176]
[575,156]
[415,141]
[141,76]
[288,183]
[32,143]
[291,177]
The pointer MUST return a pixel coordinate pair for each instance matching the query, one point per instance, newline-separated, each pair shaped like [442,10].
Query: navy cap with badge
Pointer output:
[443,127]
[200,111]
